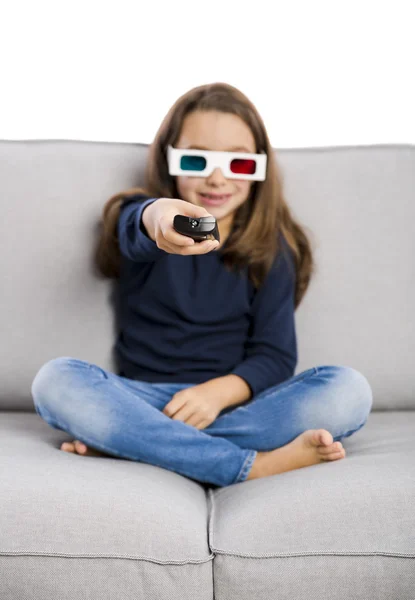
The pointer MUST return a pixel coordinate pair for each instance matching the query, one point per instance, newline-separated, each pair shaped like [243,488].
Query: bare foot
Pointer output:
[309,448]
[78,447]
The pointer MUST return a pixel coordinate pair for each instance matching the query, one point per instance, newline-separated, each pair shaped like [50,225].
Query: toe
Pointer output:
[335,447]
[80,447]
[67,447]
[335,455]
[324,437]
[85,450]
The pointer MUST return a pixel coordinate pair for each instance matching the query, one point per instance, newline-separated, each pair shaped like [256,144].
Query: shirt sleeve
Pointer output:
[133,239]
[271,348]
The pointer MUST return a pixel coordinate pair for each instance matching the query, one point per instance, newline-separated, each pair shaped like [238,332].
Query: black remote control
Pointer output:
[198,228]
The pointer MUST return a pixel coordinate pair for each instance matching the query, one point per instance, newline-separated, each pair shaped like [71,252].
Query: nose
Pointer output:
[216,176]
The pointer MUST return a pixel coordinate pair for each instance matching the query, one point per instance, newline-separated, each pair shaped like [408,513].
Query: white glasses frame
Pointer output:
[216,159]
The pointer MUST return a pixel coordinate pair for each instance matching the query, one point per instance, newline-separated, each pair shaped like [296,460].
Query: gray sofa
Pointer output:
[74,527]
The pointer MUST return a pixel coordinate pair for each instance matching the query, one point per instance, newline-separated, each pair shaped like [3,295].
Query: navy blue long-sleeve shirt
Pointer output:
[188,319]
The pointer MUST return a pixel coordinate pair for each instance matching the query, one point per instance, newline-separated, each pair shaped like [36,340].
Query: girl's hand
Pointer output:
[193,407]
[158,221]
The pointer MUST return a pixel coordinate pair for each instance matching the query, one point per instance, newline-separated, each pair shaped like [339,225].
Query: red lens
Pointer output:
[243,165]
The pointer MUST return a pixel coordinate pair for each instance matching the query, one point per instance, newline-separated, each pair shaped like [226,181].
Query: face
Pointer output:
[214,130]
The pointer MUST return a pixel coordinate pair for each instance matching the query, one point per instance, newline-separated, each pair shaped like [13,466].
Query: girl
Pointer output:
[207,344]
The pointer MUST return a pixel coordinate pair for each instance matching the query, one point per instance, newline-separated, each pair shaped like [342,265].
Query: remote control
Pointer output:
[198,228]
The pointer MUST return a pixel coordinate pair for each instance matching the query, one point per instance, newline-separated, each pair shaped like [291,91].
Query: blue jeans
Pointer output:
[122,417]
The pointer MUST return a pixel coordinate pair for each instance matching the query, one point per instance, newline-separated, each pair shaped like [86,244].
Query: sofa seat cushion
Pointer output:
[343,529]
[76,526]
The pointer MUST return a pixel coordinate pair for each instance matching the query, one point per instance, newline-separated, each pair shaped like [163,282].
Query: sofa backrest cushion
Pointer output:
[357,204]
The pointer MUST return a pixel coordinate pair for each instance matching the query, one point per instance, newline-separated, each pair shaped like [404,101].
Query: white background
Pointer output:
[320,72]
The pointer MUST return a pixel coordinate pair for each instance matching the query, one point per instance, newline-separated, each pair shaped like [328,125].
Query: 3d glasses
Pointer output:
[201,163]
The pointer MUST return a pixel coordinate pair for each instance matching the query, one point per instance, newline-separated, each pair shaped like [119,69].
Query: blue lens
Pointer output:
[192,163]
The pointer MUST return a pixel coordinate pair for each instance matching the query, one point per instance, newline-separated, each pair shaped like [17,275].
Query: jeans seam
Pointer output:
[246,466]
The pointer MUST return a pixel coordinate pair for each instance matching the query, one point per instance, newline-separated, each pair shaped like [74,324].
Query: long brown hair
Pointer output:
[253,241]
